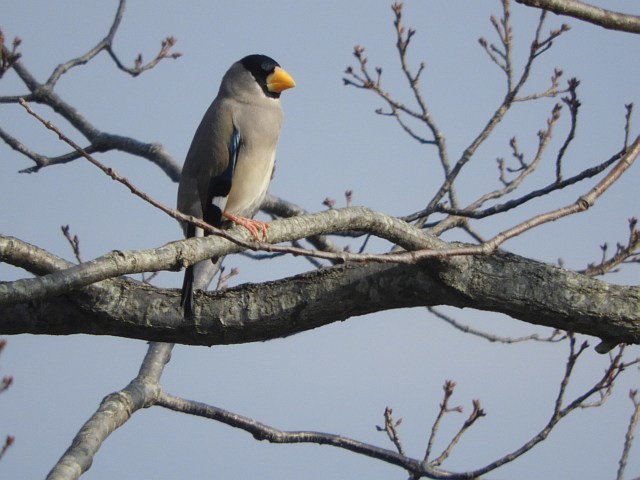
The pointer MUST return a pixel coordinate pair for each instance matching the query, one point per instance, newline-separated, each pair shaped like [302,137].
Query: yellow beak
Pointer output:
[279,80]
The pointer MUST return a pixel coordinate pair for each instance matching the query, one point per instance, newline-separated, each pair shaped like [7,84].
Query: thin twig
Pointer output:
[555,336]
[449,387]
[74,242]
[628,438]
[574,104]
[9,440]
[390,428]
[511,204]
[622,255]
[474,416]
[561,408]
[106,44]
[8,56]
[535,49]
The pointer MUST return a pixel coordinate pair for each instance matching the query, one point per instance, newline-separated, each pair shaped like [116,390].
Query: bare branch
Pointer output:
[390,428]
[114,411]
[139,66]
[74,242]
[8,56]
[622,255]
[538,46]
[449,387]
[561,409]
[598,16]
[475,414]
[260,431]
[106,44]
[523,169]
[628,439]
[574,104]
[8,441]
[555,336]
[627,124]
[98,141]
[511,204]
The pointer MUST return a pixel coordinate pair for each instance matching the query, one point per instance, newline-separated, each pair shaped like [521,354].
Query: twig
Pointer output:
[8,56]
[524,169]
[449,387]
[6,383]
[562,409]
[474,416]
[390,428]
[224,278]
[511,204]
[583,203]
[555,336]
[574,104]
[7,380]
[623,253]
[538,46]
[73,241]
[365,80]
[106,44]
[628,438]
[9,440]
[139,66]
[627,124]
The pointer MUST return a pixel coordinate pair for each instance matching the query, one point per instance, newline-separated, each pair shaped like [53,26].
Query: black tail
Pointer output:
[186,301]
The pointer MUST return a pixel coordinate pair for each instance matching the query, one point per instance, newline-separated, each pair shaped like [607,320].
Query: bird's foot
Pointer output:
[255,227]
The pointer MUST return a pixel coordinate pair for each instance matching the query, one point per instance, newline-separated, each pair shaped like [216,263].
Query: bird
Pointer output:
[230,162]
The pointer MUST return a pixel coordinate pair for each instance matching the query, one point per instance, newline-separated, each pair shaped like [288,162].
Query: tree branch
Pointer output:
[582,11]
[114,411]
[100,141]
[419,246]
[260,431]
[524,289]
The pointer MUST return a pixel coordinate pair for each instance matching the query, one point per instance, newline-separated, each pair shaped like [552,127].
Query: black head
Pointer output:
[261,67]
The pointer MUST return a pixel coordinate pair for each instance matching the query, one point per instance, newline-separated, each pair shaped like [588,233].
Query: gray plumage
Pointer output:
[229,165]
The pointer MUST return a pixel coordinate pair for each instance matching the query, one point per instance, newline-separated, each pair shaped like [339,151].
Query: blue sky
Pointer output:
[339,378]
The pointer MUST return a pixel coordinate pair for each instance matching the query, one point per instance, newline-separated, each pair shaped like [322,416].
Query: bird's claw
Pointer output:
[255,227]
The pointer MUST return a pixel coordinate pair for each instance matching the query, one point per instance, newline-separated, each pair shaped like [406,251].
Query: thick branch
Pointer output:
[524,289]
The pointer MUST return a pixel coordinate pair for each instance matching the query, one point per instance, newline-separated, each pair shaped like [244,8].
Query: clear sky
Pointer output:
[339,378]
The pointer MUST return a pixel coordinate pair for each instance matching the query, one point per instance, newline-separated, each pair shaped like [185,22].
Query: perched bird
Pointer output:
[230,162]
